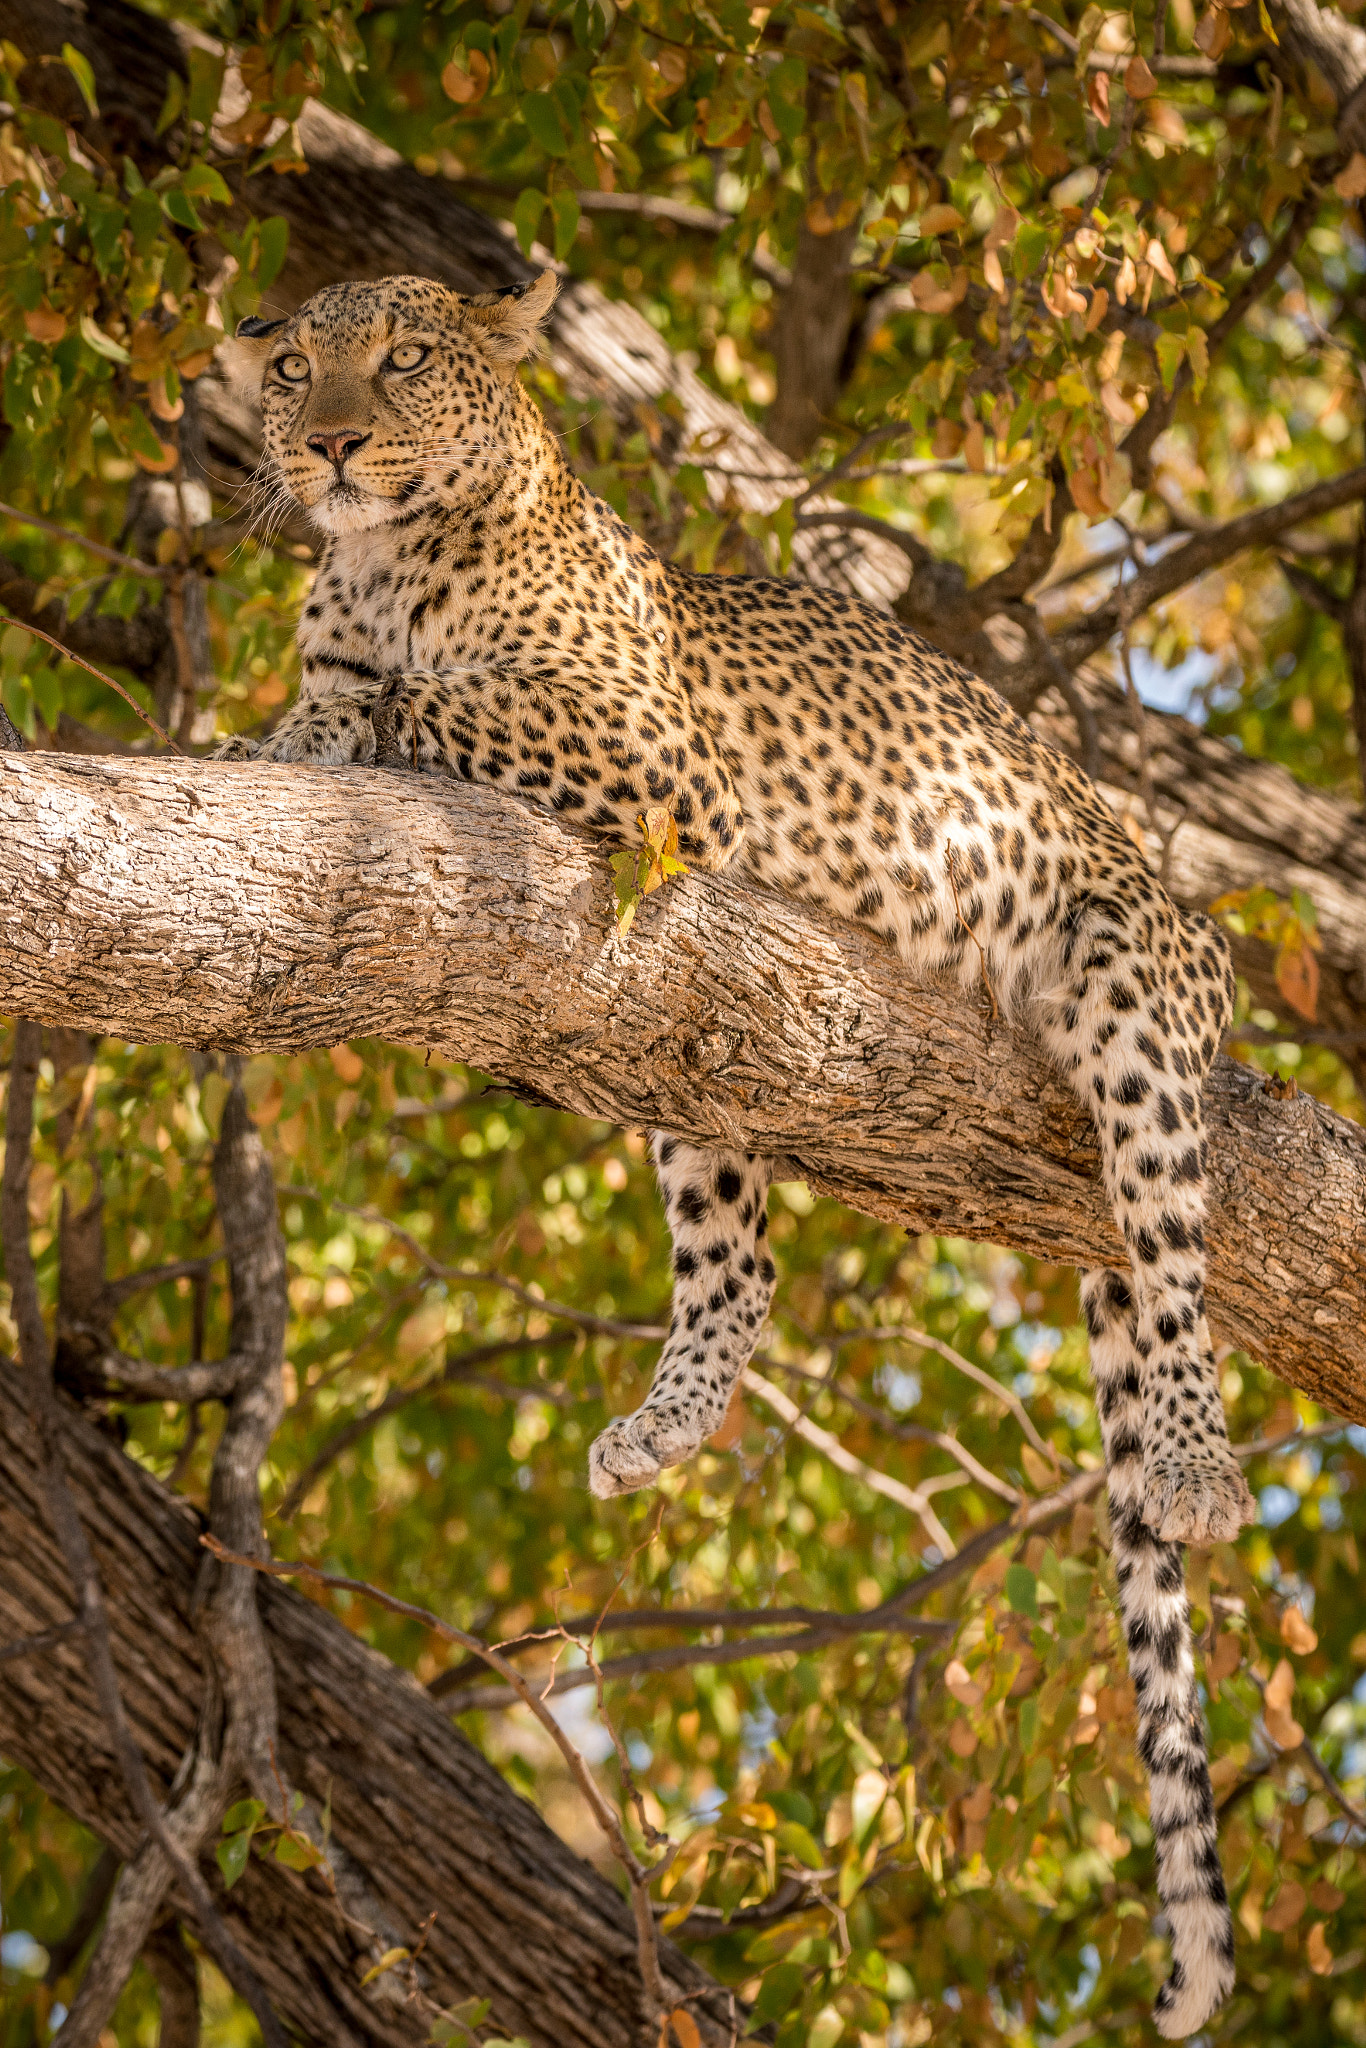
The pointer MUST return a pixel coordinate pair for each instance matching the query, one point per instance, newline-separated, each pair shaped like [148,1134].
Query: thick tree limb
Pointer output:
[264,909]
[419,1820]
[162,1852]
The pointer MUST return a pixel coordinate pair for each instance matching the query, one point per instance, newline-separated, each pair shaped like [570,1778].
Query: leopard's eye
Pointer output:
[293,369]
[407,356]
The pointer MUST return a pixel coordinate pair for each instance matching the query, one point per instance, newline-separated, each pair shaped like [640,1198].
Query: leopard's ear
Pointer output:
[254,336]
[508,322]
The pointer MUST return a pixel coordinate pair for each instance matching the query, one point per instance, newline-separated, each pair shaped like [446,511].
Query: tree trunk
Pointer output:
[420,1822]
[358,902]
[809,338]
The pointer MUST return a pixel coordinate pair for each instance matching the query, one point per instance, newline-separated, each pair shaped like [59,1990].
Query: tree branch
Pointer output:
[419,1820]
[455,1372]
[141,1883]
[1204,551]
[129,903]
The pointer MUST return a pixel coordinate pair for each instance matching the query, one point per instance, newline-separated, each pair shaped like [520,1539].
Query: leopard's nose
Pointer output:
[336,447]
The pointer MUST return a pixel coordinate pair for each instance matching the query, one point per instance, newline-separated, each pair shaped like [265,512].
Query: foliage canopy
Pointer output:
[1102,282]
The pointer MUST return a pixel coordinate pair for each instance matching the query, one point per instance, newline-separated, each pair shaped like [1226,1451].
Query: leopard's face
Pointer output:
[376,396]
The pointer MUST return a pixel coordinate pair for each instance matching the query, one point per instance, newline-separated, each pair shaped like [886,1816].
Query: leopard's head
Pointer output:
[376,396]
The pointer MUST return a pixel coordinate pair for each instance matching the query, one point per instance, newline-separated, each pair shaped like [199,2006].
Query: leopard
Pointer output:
[477,612]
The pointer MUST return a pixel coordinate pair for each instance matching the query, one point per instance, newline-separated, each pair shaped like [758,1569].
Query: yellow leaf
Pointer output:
[1296,1633]
[1214,33]
[685,2028]
[1318,1951]
[1040,1474]
[1326,1896]
[386,1962]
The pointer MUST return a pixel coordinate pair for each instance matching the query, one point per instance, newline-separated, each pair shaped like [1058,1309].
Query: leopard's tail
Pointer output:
[1171,1733]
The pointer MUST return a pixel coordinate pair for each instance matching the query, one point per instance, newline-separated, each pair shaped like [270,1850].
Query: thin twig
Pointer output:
[606,1816]
[46,1639]
[914,1499]
[455,1372]
[92,547]
[983,1379]
[156,1276]
[558,1311]
[80,661]
[906,1432]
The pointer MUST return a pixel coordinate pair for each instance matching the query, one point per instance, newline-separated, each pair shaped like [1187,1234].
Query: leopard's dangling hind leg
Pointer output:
[717,1206]
[1171,1732]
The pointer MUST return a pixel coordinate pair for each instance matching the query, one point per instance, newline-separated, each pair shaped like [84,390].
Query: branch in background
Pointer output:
[604,1814]
[1207,550]
[128,1379]
[915,1499]
[684,213]
[45,1639]
[141,1884]
[456,1371]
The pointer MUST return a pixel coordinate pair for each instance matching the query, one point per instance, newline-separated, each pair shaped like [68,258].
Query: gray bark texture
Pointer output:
[420,1823]
[254,908]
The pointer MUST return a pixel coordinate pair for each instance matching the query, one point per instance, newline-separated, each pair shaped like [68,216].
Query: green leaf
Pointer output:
[206,84]
[202,181]
[247,1813]
[787,97]
[274,243]
[1197,348]
[173,104]
[46,685]
[296,1852]
[1022,1589]
[144,218]
[546,123]
[1171,353]
[526,216]
[178,207]
[564,208]
[80,68]
[779,1992]
[232,1856]
[102,343]
[798,1841]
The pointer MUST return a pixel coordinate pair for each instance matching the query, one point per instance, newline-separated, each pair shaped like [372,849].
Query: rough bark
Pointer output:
[809,338]
[258,909]
[423,1822]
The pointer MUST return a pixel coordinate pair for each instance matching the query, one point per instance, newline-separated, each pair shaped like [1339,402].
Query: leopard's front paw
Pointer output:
[241,747]
[1196,1499]
[634,1449]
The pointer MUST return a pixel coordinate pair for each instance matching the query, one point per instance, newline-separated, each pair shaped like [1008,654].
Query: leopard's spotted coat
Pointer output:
[478,611]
